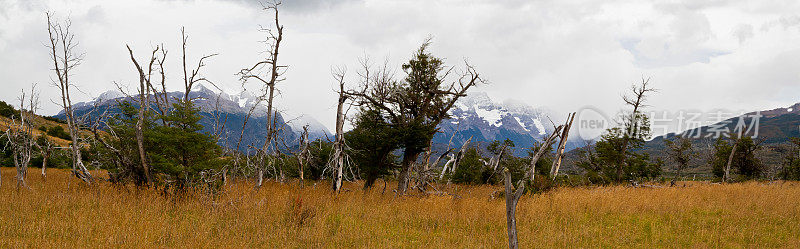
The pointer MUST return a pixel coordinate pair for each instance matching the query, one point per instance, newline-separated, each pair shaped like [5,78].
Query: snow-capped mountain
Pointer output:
[316,130]
[479,117]
[233,110]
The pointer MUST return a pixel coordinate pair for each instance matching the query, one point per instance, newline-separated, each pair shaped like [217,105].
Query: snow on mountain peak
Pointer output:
[477,108]
[315,128]
[111,94]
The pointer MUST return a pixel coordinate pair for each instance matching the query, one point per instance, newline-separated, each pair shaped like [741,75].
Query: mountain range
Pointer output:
[230,110]
[475,116]
[478,117]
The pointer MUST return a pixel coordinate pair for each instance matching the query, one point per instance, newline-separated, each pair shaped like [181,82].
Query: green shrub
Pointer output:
[59,132]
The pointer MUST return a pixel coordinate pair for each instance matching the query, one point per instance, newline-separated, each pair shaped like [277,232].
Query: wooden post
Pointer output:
[512,197]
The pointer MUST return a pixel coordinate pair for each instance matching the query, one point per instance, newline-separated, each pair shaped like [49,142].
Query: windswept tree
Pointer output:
[269,73]
[615,157]
[415,105]
[65,58]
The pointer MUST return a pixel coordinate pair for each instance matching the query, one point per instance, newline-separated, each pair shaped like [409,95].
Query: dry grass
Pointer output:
[62,212]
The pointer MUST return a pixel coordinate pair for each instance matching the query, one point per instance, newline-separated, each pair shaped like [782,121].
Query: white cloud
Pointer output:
[559,54]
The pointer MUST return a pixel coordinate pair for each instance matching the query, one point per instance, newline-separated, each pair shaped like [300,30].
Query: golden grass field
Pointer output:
[62,212]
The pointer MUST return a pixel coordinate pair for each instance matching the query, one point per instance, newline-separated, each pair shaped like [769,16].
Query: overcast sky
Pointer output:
[563,55]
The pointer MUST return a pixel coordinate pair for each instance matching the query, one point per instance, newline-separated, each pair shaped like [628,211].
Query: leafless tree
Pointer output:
[269,79]
[514,192]
[455,159]
[562,145]
[144,105]
[20,134]
[62,46]
[45,147]
[304,155]
[189,79]
[338,158]
[544,148]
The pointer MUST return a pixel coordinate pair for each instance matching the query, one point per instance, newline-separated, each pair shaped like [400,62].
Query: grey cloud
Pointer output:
[299,6]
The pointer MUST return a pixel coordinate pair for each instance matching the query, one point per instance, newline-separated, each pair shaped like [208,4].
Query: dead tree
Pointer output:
[189,79]
[513,194]
[455,159]
[45,147]
[338,143]
[144,105]
[304,155]
[120,159]
[20,134]
[62,46]
[561,146]
[160,97]
[446,153]
[272,77]
[544,148]
[494,162]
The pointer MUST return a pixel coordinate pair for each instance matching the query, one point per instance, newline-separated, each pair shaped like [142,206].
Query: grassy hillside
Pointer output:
[62,212]
[40,122]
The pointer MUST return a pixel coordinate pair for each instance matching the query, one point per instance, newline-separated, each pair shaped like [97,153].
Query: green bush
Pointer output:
[7,110]
[471,169]
[59,132]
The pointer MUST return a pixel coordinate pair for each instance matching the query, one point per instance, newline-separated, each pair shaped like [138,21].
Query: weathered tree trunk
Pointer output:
[561,146]
[338,144]
[303,157]
[273,42]
[546,144]
[727,176]
[270,129]
[409,158]
[44,165]
[144,105]
[64,60]
[260,177]
[512,197]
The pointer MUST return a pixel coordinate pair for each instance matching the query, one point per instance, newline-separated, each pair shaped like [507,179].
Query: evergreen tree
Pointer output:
[791,163]
[744,160]
[372,142]
[179,154]
[471,169]
[184,155]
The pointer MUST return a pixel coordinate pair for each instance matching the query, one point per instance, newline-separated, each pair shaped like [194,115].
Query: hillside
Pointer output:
[775,128]
[42,123]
